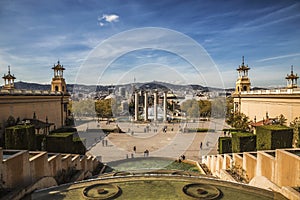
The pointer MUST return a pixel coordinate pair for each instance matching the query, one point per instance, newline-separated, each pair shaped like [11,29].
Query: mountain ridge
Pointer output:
[93,88]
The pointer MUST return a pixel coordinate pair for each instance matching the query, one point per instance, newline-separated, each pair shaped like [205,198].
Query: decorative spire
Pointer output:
[242,69]
[292,79]
[243,63]
[243,82]
[58,82]
[9,80]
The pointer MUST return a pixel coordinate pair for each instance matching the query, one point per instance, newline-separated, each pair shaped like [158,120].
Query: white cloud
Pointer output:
[279,57]
[108,18]
[111,18]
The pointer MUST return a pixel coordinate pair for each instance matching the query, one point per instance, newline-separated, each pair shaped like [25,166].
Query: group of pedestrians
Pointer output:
[146,152]
[207,144]
[104,143]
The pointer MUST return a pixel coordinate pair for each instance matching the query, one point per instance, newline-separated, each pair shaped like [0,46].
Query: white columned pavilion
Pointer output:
[136,106]
[155,105]
[146,106]
[165,105]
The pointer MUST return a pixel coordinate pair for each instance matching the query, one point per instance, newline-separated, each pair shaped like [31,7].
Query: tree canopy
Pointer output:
[83,108]
[104,108]
[238,120]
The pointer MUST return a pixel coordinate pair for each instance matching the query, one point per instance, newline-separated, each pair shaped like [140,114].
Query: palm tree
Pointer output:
[281,119]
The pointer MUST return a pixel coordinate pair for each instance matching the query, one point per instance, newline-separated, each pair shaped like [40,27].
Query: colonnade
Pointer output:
[146,105]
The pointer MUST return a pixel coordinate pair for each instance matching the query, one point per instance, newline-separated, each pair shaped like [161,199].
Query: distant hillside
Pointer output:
[93,88]
[32,86]
[162,85]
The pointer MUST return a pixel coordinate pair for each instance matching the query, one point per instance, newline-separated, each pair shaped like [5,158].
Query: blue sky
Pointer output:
[35,34]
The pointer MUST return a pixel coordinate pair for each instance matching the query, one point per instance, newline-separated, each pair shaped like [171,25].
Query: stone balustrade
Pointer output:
[22,167]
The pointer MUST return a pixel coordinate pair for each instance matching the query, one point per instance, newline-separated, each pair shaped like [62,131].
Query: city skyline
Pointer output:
[37,34]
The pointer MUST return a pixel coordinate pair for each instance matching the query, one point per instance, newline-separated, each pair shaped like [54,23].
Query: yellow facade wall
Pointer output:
[275,105]
[44,106]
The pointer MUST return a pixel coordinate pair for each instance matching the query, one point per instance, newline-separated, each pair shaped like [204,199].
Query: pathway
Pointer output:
[171,144]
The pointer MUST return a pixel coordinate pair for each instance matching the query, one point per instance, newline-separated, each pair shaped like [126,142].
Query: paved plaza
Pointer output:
[160,139]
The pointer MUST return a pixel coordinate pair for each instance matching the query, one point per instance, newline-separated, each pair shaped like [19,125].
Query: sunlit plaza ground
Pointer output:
[172,143]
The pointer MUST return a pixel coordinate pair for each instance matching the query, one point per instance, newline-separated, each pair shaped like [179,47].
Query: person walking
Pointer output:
[134,149]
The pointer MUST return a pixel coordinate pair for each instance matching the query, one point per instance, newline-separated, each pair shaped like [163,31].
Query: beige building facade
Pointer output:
[262,104]
[47,106]
[51,106]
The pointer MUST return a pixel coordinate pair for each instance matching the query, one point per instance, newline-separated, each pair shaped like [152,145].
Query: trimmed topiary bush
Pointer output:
[200,130]
[40,142]
[64,130]
[20,137]
[272,137]
[243,142]
[65,143]
[225,145]
[298,141]
[60,142]
[232,130]
[79,146]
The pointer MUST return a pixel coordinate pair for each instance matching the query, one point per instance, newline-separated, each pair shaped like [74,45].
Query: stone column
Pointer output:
[146,106]
[136,106]
[155,106]
[165,105]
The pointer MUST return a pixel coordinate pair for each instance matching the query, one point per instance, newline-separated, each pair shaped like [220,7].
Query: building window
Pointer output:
[65,107]
[56,88]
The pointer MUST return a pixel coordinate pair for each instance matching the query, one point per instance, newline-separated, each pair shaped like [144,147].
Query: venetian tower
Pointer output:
[58,83]
[243,81]
[9,80]
[292,79]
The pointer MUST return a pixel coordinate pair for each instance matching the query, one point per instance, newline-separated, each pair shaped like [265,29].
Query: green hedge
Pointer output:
[243,142]
[39,140]
[64,130]
[79,146]
[112,130]
[298,145]
[65,143]
[225,145]
[272,137]
[59,142]
[20,137]
[24,137]
[232,130]
[200,130]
